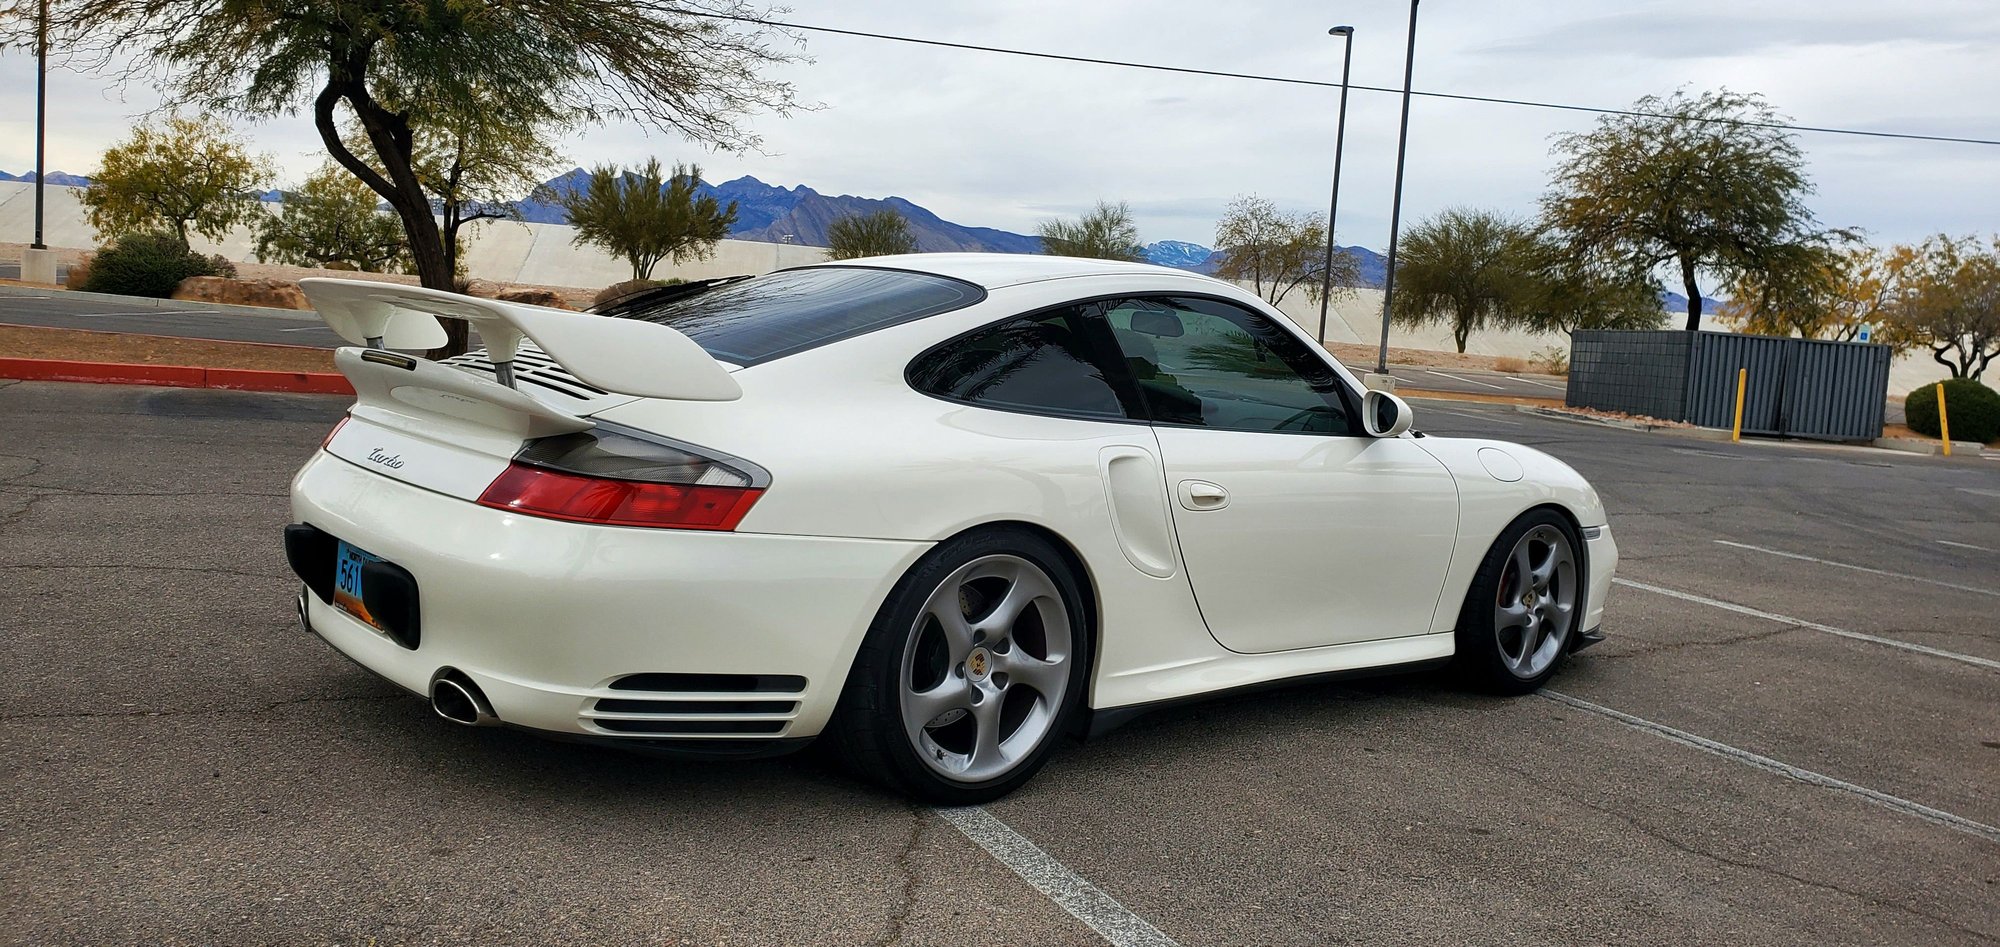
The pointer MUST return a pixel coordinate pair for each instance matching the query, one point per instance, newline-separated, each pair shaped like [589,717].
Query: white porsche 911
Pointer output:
[940,509]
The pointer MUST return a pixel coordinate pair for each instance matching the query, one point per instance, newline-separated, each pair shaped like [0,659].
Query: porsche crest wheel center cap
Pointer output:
[978,664]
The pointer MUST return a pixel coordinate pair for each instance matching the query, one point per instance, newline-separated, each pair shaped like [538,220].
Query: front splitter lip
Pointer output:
[707,750]
[1588,638]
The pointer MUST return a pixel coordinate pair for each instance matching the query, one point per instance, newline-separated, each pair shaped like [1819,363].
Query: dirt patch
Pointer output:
[268,293]
[1362,358]
[83,345]
[1483,399]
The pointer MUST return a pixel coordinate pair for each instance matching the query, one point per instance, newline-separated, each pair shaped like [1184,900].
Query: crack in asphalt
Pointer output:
[204,712]
[907,898]
[1687,849]
[201,570]
[1684,645]
[79,492]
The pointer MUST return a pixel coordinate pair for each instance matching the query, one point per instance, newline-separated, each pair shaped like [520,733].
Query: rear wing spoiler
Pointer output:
[626,356]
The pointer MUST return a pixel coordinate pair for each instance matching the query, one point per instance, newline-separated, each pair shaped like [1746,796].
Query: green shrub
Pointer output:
[145,264]
[1972,409]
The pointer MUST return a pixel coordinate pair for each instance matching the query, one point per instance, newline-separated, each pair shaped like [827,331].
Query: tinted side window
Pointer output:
[1037,363]
[1205,363]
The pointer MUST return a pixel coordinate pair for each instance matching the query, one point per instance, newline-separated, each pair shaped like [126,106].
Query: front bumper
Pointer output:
[1600,556]
[639,636]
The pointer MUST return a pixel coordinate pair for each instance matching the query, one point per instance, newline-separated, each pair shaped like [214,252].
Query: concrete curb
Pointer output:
[23,289]
[175,376]
[1911,445]
[1698,433]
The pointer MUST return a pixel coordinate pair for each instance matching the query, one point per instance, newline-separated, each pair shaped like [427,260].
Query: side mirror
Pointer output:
[1155,322]
[1384,414]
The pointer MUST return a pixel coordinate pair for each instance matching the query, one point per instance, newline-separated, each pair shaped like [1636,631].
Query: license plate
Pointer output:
[347,597]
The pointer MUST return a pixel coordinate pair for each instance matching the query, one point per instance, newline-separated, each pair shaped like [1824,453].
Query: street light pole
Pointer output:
[1333,205]
[41,114]
[1396,202]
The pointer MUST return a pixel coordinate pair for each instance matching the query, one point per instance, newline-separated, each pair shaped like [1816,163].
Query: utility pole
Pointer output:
[38,265]
[1333,205]
[1396,203]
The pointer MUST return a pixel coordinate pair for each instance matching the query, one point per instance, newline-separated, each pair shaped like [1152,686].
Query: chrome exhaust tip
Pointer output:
[455,698]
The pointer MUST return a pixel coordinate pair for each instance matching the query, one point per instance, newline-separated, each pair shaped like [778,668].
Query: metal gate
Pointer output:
[1795,387]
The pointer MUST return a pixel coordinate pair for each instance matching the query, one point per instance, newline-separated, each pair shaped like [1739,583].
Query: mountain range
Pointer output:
[774,214]
[59,178]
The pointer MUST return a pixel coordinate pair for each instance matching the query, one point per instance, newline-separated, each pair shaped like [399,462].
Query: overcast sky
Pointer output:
[1004,141]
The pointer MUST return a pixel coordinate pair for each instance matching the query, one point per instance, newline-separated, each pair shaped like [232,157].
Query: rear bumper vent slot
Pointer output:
[713,683]
[699,705]
[705,707]
[741,728]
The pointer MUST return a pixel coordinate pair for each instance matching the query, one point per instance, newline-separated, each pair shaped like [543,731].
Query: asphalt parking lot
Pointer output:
[1792,735]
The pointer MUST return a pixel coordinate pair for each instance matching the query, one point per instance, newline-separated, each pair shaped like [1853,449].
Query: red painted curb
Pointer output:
[175,376]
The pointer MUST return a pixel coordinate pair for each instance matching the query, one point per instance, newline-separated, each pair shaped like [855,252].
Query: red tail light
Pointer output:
[626,479]
[538,491]
[330,435]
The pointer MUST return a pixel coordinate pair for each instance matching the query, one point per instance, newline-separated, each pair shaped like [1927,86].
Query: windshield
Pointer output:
[772,316]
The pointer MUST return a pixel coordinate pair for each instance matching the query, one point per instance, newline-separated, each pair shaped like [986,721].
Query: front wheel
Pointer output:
[972,670]
[1523,607]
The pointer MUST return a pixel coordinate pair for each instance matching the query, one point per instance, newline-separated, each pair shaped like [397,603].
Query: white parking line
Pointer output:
[319,328]
[1466,380]
[1802,623]
[1947,542]
[1845,565]
[1787,770]
[1475,417]
[1530,381]
[1083,900]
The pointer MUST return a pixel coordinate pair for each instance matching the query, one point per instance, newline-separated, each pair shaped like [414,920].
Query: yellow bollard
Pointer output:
[1742,379]
[1944,425]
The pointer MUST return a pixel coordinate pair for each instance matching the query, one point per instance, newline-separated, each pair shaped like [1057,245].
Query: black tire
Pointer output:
[868,731]
[1484,658]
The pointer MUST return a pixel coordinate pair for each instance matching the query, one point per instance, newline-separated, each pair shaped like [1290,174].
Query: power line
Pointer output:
[1492,100]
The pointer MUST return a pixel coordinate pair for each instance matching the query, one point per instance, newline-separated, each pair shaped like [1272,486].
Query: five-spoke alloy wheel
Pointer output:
[1521,613]
[974,666]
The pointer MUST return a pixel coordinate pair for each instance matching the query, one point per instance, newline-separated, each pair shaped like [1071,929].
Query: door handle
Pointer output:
[1200,495]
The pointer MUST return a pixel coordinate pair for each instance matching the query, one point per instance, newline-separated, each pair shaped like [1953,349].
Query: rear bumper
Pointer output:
[746,637]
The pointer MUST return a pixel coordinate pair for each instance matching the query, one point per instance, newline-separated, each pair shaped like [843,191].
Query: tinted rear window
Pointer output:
[776,315]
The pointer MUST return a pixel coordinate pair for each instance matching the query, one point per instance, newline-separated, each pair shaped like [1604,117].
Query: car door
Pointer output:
[1297,529]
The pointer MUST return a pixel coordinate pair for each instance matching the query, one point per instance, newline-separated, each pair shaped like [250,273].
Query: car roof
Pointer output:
[994,270]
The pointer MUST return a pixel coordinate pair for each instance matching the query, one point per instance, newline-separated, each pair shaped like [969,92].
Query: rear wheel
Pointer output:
[1522,610]
[973,668]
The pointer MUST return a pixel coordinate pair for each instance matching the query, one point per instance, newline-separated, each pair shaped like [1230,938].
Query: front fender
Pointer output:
[1497,482]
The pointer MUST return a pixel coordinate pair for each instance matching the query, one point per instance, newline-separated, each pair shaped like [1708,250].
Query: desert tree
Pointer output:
[1563,292]
[181,175]
[883,233]
[1276,252]
[1703,184]
[1471,269]
[1106,232]
[1945,297]
[334,220]
[694,68]
[648,215]
[1814,293]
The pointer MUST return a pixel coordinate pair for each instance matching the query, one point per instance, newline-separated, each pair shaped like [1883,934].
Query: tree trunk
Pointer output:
[1693,294]
[396,183]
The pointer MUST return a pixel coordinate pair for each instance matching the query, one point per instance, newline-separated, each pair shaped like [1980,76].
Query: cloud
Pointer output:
[1002,141]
